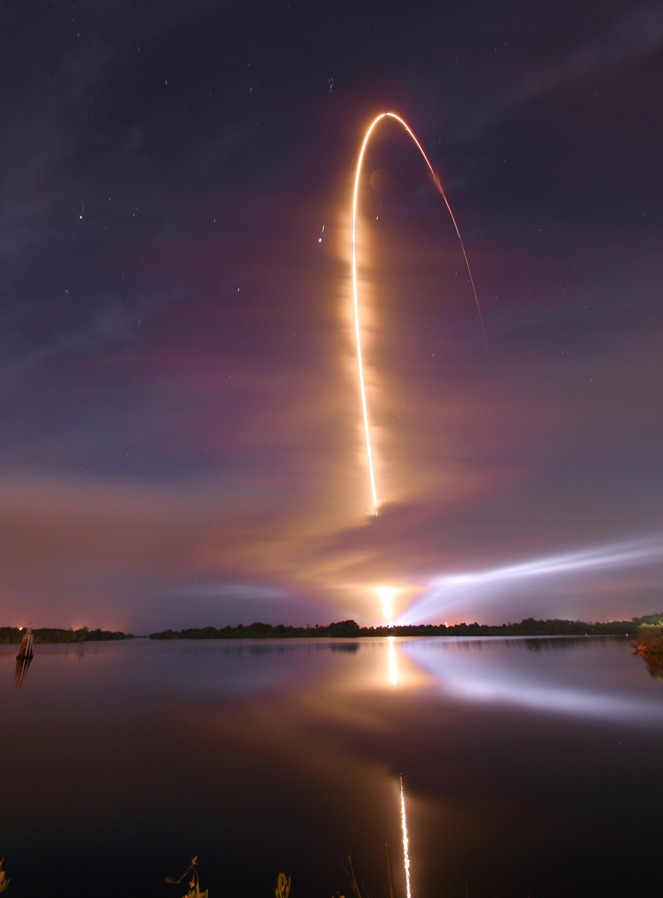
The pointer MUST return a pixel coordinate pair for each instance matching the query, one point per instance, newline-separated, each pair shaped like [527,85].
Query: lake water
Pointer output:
[528,768]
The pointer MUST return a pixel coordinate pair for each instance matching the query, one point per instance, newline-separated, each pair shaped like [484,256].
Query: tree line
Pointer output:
[349,628]
[56,634]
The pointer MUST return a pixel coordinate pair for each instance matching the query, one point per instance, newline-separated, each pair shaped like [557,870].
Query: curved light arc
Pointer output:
[355,287]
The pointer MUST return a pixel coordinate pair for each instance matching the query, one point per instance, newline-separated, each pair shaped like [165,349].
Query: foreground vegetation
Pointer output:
[650,639]
[351,629]
[54,634]
[192,879]
[283,882]
[649,645]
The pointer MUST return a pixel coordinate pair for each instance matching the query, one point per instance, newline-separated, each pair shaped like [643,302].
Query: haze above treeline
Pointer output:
[347,628]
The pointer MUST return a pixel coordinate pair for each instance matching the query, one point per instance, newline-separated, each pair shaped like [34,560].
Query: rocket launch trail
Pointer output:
[355,288]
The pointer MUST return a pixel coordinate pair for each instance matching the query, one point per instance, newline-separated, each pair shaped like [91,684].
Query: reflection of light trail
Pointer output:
[406,849]
[393,662]
[452,589]
[355,291]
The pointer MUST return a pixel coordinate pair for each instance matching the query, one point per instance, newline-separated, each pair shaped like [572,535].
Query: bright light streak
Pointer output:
[406,848]
[386,595]
[615,555]
[355,289]
[451,589]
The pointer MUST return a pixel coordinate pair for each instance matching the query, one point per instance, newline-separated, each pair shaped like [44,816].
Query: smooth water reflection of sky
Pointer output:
[534,678]
[262,756]
[541,674]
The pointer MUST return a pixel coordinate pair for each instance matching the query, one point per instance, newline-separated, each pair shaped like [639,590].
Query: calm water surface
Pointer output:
[529,767]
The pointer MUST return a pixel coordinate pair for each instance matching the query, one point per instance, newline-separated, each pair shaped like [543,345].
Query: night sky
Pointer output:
[181,439]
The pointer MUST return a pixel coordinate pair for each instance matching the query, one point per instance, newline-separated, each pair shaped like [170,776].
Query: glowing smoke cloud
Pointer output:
[386,595]
[451,590]
[355,291]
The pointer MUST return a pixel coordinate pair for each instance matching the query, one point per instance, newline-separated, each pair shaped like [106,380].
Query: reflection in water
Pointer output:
[350,647]
[478,674]
[406,849]
[24,657]
[404,670]
[22,665]
[393,662]
[528,794]
[654,664]
[392,676]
